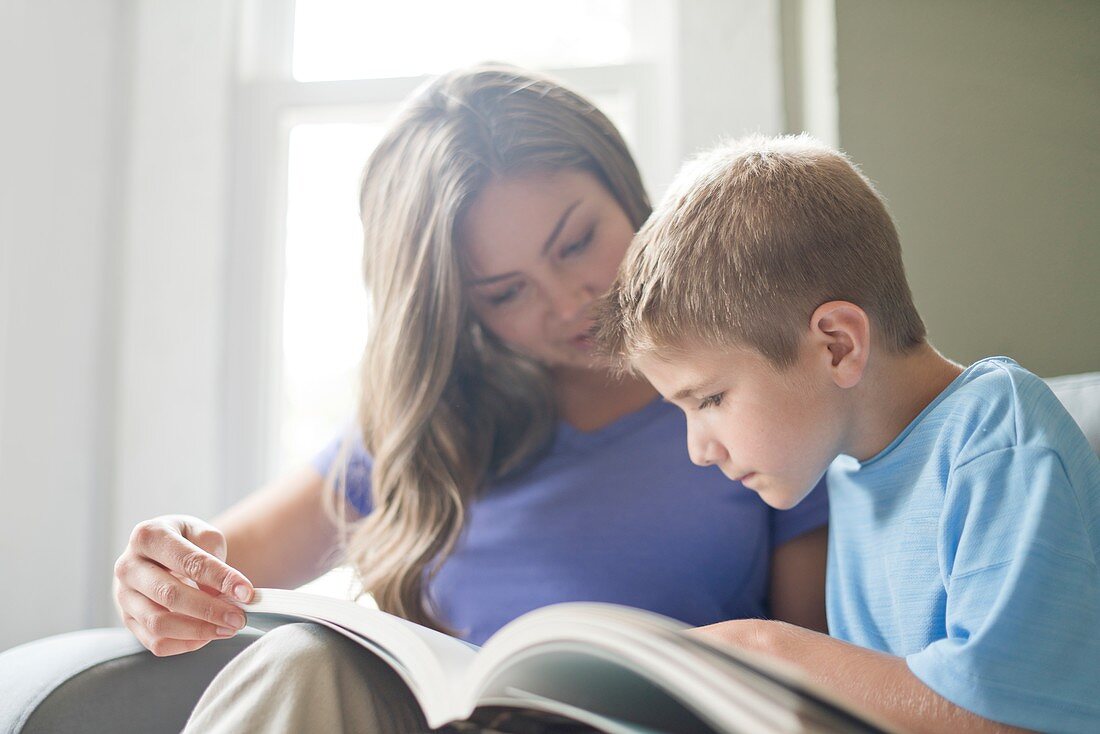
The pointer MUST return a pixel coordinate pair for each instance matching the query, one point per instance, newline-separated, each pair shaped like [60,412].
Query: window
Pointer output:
[320,78]
[324,321]
[352,39]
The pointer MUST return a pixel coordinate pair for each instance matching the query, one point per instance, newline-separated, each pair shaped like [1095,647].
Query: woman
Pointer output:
[499,466]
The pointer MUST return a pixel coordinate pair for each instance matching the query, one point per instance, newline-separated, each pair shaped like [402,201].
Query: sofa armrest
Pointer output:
[103,680]
[1081,396]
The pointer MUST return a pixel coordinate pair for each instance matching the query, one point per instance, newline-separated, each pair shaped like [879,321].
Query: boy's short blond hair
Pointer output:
[750,239]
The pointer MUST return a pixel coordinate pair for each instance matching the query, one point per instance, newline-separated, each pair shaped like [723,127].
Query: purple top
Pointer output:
[618,515]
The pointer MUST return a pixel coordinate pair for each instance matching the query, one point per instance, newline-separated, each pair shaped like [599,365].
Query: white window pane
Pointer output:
[621,111]
[365,39]
[325,305]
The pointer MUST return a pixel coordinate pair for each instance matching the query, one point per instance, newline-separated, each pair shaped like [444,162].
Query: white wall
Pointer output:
[729,71]
[719,74]
[168,405]
[111,351]
[59,166]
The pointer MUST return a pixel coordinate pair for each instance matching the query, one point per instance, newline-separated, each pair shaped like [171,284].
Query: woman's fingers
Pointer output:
[161,647]
[166,545]
[207,537]
[174,588]
[160,623]
[167,591]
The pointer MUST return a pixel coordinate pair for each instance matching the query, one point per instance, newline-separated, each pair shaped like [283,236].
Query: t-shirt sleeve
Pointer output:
[809,514]
[1022,596]
[358,465]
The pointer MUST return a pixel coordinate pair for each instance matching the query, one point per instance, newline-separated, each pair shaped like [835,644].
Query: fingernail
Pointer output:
[225,632]
[241,592]
[234,620]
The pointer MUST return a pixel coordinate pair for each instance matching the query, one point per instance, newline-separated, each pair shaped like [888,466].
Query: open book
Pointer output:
[577,667]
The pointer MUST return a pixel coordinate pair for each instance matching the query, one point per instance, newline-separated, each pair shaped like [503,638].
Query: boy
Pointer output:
[766,298]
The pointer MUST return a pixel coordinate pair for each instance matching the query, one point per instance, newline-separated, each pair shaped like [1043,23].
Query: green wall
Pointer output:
[980,122]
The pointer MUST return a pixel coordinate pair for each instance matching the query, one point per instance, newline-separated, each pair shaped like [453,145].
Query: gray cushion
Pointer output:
[103,680]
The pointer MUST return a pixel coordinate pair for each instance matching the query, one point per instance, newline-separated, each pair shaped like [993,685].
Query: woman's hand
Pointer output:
[172,585]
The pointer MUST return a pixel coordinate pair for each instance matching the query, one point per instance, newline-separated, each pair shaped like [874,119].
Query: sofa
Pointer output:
[103,680]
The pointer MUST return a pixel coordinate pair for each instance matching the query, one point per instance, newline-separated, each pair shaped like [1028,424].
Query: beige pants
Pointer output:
[306,678]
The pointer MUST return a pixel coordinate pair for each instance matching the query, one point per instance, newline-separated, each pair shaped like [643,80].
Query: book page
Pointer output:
[430,662]
[640,667]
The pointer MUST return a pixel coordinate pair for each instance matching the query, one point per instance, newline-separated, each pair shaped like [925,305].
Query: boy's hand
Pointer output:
[873,682]
[172,585]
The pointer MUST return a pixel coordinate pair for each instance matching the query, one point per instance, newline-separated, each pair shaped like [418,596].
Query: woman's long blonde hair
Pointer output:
[445,406]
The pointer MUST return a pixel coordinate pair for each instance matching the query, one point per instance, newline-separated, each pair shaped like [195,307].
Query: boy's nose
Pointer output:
[703,450]
[709,456]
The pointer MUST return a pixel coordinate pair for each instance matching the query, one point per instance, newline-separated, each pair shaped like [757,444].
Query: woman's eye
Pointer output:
[580,245]
[711,401]
[499,299]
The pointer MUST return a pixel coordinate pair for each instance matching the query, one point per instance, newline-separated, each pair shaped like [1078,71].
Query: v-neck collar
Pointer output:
[571,437]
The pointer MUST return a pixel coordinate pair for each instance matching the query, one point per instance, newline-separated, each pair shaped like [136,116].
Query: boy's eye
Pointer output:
[580,245]
[711,401]
[499,299]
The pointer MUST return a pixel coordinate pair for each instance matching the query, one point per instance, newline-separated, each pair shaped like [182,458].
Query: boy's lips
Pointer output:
[736,475]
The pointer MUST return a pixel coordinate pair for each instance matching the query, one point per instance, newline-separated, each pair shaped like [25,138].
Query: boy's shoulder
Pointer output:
[1013,492]
[997,405]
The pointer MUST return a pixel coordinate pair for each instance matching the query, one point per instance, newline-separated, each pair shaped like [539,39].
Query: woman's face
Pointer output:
[541,247]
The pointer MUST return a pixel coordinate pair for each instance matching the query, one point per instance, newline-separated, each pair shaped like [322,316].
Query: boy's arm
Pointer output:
[872,681]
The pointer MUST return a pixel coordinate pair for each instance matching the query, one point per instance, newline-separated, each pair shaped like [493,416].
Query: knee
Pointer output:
[302,645]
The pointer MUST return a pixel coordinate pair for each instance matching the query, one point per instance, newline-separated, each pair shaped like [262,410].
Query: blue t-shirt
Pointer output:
[969,547]
[618,515]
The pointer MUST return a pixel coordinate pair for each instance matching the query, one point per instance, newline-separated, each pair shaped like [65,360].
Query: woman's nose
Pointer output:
[569,301]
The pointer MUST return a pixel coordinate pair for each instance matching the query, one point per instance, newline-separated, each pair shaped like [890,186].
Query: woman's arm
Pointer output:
[281,535]
[873,681]
[797,588]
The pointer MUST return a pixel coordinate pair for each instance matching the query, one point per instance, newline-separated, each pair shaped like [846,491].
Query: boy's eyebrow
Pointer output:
[545,247]
[688,391]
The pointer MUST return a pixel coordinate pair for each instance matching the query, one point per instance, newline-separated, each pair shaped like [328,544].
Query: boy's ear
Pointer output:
[842,332]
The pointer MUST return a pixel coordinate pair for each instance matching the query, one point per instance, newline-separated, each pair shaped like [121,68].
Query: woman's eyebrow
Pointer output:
[546,246]
[491,279]
[559,226]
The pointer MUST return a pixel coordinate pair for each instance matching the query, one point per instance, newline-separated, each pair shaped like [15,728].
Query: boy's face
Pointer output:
[774,431]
